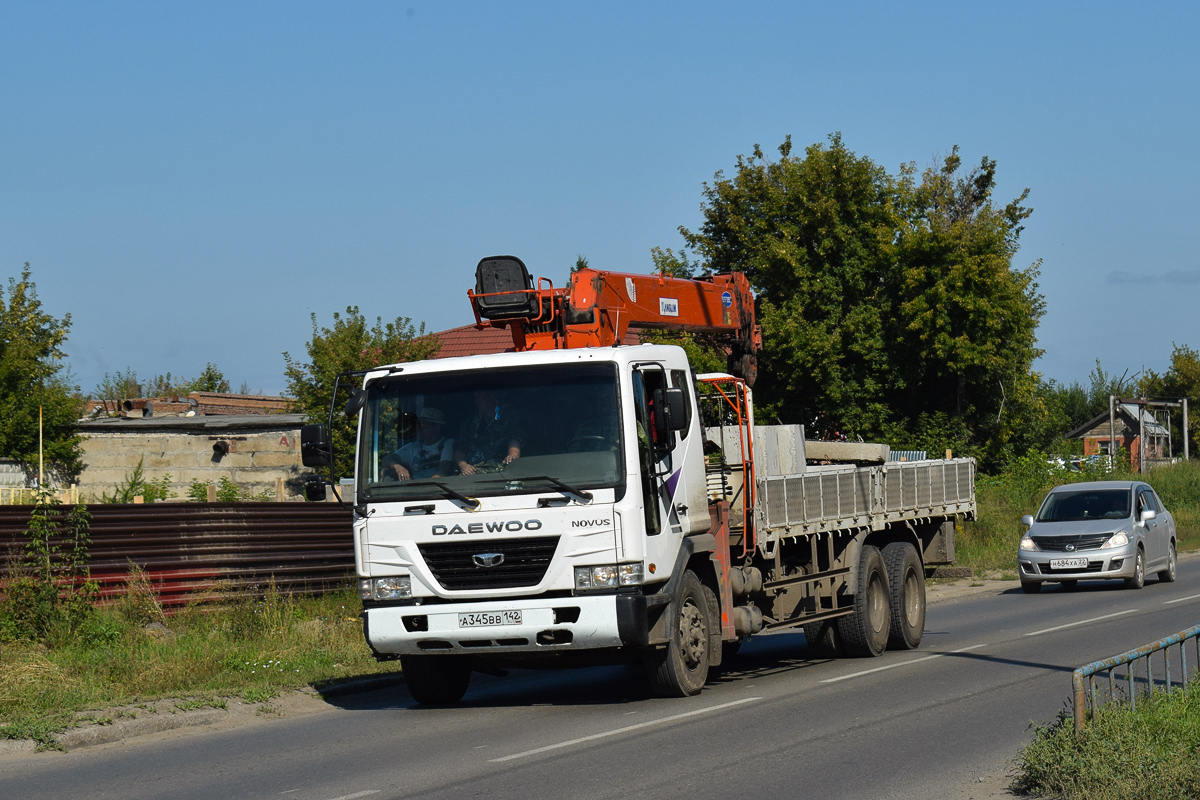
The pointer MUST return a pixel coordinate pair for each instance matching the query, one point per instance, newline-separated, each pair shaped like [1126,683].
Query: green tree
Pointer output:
[351,344]
[32,378]
[1182,379]
[210,379]
[965,319]
[887,303]
[815,236]
[123,385]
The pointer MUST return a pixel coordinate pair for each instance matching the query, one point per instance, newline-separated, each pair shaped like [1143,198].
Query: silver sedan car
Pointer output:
[1098,530]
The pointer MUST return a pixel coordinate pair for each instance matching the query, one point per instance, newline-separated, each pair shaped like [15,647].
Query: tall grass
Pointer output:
[129,653]
[1152,751]
[990,543]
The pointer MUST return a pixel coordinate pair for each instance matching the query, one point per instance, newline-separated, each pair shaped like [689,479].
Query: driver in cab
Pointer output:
[430,455]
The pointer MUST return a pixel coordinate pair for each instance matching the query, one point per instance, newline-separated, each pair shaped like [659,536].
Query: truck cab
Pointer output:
[575,476]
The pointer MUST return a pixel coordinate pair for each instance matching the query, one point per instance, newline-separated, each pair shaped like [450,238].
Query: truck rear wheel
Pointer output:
[436,680]
[906,580]
[822,639]
[865,632]
[681,668]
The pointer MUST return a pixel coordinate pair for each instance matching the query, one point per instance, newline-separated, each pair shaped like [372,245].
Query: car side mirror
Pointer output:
[1147,515]
[1027,520]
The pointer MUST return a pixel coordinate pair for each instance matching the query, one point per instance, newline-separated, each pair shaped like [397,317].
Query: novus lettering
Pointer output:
[589,523]
[510,526]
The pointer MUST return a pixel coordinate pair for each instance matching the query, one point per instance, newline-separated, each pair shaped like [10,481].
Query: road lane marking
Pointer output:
[900,664]
[1081,622]
[1182,599]
[626,729]
[357,794]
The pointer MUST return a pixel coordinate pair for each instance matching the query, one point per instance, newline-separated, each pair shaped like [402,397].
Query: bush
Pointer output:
[227,492]
[49,593]
[135,485]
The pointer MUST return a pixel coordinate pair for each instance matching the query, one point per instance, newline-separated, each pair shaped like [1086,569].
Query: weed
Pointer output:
[258,694]
[200,702]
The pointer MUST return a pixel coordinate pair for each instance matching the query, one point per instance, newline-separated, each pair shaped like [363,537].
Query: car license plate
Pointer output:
[1068,563]
[481,619]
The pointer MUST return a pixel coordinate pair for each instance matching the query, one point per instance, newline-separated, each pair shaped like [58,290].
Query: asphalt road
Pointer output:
[774,724]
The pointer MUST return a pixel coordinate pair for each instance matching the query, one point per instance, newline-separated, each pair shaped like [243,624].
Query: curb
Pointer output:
[360,685]
[119,730]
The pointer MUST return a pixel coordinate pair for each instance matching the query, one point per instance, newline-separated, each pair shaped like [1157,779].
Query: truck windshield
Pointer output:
[1087,504]
[499,432]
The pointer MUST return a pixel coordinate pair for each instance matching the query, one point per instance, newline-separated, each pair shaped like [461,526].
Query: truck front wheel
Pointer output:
[436,680]
[681,668]
[906,579]
[865,632]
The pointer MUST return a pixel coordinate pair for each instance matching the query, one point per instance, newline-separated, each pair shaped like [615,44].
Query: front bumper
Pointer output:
[1034,567]
[547,625]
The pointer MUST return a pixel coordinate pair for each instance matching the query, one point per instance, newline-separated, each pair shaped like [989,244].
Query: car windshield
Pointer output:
[1072,506]
[462,435]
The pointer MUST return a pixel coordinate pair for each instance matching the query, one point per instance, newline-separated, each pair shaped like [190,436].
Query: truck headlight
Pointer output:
[608,576]
[1119,539]
[395,587]
[1028,544]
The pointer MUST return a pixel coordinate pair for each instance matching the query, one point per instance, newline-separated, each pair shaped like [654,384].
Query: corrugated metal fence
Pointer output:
[189,549]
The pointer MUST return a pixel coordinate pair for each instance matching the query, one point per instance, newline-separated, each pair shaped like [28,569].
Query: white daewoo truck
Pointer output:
[581,501]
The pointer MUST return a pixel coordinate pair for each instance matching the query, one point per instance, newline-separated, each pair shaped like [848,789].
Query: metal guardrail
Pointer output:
[1144,653]
[188,551]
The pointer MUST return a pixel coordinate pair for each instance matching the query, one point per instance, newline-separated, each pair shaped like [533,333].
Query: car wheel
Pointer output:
[1139,572]
[1168,575]
[1031,587]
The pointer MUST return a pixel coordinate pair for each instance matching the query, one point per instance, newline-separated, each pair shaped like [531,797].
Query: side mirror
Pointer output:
[314,446]
[314,489]
[670,413]
[1148,515]
[358,399]
[1027,521]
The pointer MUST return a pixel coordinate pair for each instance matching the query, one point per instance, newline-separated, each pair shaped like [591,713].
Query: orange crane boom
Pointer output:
[597,308]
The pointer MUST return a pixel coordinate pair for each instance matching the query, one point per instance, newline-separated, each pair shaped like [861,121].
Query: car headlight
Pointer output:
[1119,539]
[1028,544]
[395,587]
[608,576]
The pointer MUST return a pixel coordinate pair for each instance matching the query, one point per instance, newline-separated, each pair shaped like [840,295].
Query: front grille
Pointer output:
[1082,541]
[1093,566]
[525,562]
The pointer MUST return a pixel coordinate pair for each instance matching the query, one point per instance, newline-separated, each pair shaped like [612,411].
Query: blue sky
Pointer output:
[193,181]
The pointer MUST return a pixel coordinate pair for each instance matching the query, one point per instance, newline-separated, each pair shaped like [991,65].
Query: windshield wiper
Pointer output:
[470,501]
[565,488]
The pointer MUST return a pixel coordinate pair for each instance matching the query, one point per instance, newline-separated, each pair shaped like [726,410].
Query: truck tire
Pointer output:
[823,639]
[865,632]
[681,668]
[436,680]
[906,580]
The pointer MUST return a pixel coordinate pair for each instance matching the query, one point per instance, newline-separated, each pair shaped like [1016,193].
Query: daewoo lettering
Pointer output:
[511,526]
